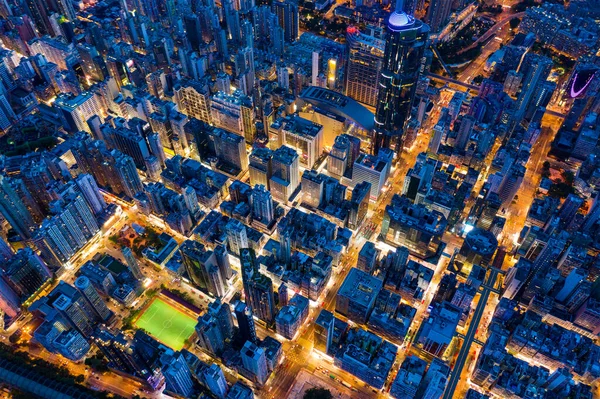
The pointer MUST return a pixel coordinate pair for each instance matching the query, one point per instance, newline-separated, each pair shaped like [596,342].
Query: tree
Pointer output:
[514,23]
[317,393]
[568,177]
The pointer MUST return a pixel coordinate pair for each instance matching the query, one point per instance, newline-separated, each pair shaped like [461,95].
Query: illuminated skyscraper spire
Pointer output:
[405,43]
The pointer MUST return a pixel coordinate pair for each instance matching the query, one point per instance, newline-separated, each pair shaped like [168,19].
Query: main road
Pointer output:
[492,31]
[470,336]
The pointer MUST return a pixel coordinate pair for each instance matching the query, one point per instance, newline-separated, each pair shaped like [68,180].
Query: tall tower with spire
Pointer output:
[405,43]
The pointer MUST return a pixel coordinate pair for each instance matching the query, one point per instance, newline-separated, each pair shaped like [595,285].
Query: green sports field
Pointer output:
[166,323]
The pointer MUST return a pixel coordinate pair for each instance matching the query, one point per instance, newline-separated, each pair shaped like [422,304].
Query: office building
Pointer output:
[258,288]
[25,273]
[535,69]
[222,314]
[409,378]
[77,110]
[365,59]
[359,204]
[260,166]
[14,207]
[478,247]
[230,149]
[260,296]
[88,291]
[210,337]
[234,113]
[177,374]
[356,296]
[285,177]
[374,170]
[283,295]
[405,43]
[438,14]
[337,159]
[223,261]
[413,226]
[323,335]
[239,390]
[367,258]
[202,268]
[132,263]
[70,303]
[304,136]
[237,237]
[289,19]
[245,321]
[436,334]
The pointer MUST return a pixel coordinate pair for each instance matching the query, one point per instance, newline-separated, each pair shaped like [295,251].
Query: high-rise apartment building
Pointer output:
[262,205]
[255,362]
[62,235]
[14,208]
[90,191]
[237,237]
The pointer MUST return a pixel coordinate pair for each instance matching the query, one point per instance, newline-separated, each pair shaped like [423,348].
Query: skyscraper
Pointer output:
[14,209]
[88,187]
[202,267]
[262,205]
[25,273]
[237,238]
[365,58]
[230,149]
[260,166]
[243,315]
[223,261]
[402,65]
[255,362]
[258,288]
[437,14]
[61,236]
[215,381]
[84,286]
[289,19]
[286,173]
[209,334]
[535,69]
[132,263]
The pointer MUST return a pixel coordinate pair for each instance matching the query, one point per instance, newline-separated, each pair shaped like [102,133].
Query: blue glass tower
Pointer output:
[405,43]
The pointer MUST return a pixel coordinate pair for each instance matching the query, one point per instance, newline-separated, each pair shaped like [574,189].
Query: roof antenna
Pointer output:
[399,6]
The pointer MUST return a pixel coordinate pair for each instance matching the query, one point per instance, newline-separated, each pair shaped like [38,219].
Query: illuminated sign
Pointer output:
[581,81]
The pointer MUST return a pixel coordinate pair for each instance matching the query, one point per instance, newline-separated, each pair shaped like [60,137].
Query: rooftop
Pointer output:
[360,287]
[339,104]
